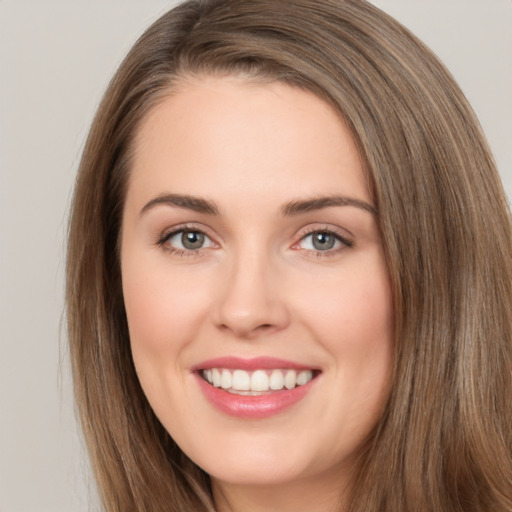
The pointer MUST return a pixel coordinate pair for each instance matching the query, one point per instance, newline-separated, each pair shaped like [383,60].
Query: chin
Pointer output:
[253,473]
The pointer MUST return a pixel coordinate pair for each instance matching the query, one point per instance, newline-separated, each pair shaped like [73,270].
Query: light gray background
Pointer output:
[56,58]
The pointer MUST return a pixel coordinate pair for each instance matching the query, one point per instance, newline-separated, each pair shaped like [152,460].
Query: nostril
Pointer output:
[248,332]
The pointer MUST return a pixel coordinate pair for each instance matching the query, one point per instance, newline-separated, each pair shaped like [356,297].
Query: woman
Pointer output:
[289,277]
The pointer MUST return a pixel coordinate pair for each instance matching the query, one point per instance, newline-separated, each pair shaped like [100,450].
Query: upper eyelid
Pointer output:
[342,234]
[322,228]
[347,243]
[164,237]
[166,233]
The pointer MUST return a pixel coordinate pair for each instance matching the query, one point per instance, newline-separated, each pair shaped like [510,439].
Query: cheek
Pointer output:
[163,307]
[353,311]
[353,320]
[164,316]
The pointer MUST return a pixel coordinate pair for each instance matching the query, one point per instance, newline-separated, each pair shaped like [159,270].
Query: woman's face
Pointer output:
[256,290]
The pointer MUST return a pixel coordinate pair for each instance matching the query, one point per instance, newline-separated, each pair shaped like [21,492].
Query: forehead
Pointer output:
[220,134]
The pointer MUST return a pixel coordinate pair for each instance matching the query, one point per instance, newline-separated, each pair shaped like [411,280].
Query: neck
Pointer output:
[322,494]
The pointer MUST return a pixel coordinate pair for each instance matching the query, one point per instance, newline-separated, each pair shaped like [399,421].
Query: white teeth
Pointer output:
[276,380]
[304,377]
[290,379]
[225,379]
[241,380]
[257,381]
[216,377]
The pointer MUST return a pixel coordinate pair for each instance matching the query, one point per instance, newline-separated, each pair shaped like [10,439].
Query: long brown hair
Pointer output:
[444,441]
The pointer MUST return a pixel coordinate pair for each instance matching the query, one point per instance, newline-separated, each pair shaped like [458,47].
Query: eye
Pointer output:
[187,240]
[323,241]
[319,241]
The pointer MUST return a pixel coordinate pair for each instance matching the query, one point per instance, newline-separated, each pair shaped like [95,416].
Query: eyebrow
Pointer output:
[201,205]
[196,204]
[319,203]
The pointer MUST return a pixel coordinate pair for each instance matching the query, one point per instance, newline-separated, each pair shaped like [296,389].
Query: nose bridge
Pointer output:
[249,302]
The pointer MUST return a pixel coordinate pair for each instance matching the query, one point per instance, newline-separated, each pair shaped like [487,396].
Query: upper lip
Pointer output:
[250,364]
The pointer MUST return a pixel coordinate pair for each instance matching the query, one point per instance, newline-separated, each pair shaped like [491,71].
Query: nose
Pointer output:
[251,300]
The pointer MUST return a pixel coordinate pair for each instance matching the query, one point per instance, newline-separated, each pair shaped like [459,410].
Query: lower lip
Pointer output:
[253,407]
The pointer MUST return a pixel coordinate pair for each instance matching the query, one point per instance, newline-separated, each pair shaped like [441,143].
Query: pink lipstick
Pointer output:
[254,388]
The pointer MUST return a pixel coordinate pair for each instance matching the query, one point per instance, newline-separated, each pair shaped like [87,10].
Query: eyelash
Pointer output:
[345,243]
[166,236]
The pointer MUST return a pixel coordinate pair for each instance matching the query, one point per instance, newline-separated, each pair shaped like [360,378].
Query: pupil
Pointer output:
[192,239]
[323,241]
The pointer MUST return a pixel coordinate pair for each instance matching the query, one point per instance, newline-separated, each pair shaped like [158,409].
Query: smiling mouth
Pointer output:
[257,382]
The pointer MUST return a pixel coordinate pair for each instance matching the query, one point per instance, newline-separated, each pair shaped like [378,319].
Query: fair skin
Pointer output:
[256,266]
